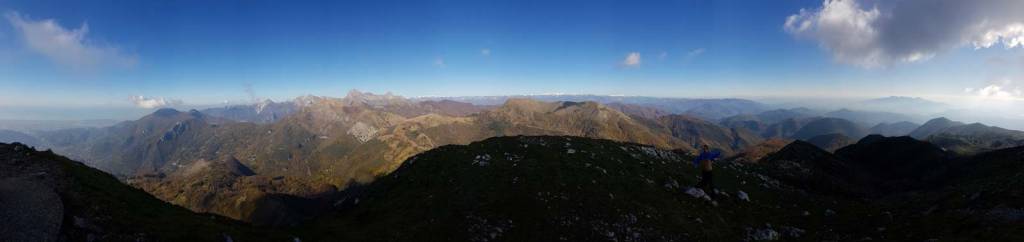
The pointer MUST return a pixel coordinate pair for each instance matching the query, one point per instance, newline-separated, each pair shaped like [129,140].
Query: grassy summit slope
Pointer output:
[549,188]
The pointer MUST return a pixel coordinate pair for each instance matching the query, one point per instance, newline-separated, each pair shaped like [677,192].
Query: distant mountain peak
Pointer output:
[830,142]
[368,98]
[870,139]
[796,150]
[166,112]
[901,98]
[308,100]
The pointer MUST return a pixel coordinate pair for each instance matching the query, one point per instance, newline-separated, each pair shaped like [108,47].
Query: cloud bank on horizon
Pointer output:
[892,32]
[154,102]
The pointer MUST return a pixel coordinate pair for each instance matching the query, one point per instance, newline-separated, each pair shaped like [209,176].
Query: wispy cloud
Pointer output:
[892,32]
[249,92]
[695,52]
[65,46]
[485,52]
[439,62]
[632,59]
[153,102]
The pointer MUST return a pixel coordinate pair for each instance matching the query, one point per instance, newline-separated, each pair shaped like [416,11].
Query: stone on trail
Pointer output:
[698,193]
[743,196]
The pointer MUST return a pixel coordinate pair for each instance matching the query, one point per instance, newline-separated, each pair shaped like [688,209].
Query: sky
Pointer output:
[118,59]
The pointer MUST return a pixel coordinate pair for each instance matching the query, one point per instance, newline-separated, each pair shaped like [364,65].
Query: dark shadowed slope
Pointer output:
[47,197]
[546,188]
[903,161]
[574,189]
[894,129]
[806,166]
[830,142]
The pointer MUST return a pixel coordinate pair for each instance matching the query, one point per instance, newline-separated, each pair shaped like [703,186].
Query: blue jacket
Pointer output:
[709,155]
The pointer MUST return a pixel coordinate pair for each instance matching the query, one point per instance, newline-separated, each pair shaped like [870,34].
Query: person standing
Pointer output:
[704,162]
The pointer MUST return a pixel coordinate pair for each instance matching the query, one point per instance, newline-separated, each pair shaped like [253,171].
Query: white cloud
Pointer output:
[1010,36]
[153,102]
[662,55]
[485,52]
[997,92]
[632,59]
[68,47]
[994,91]
[892,32]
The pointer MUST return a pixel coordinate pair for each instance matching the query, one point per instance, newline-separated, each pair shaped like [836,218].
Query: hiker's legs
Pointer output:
[710,181]
[705,181]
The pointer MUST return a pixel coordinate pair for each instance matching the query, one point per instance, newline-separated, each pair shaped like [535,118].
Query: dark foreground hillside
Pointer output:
[553,188]
[579,189]
[46,197]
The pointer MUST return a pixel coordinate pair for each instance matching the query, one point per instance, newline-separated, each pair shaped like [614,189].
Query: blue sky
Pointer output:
[207,52]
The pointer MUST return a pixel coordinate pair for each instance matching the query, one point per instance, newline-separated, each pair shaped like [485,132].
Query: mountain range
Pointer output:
[279,163]
[329,143]
[967,138]
[705,108]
